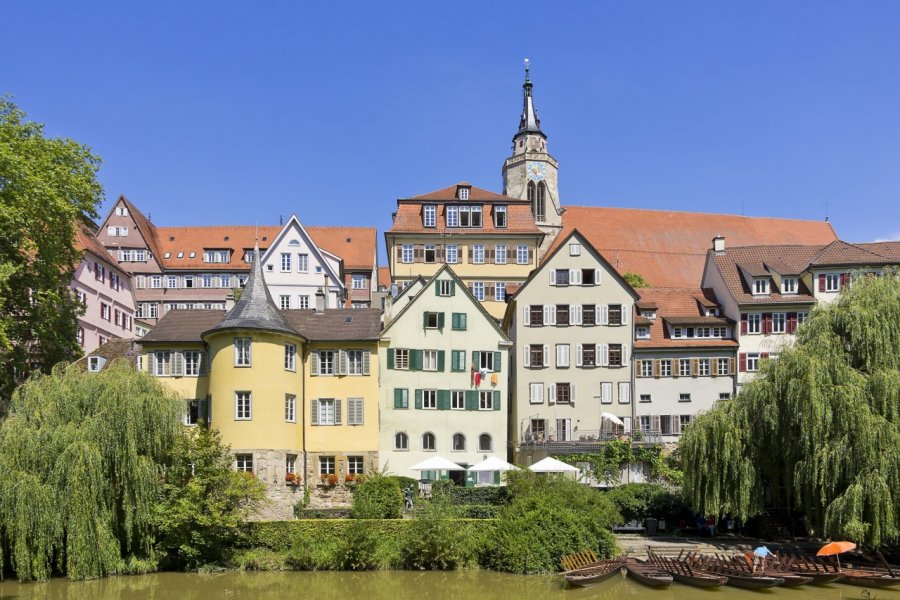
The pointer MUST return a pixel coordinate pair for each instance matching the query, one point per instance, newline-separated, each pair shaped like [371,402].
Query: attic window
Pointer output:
[349,240]
[463,193]
[167,255]
[789,285]
[181,255]
[760,286]
[227,238]
[95,363]
[642,333]
[348,320]
[265,238]
[171,238]
[192,255]
[294,243]
[650,314]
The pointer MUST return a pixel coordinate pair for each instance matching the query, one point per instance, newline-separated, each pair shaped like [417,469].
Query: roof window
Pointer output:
[462,193]
[180,255]
[167,255]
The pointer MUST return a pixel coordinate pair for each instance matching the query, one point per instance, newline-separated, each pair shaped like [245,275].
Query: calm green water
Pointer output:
[395,585]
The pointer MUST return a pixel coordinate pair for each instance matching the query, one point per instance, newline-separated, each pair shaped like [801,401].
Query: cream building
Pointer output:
[684,360]
[444,380]
[572,332]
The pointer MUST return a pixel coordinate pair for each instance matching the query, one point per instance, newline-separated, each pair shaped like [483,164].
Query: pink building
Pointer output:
[105,290]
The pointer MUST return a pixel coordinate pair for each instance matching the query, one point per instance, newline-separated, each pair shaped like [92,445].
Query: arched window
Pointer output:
[401,441]
[459,442]
[484,443]
[539,202]
[531,195]
[428,442]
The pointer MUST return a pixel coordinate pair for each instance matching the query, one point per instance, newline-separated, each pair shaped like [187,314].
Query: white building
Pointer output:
[444,373]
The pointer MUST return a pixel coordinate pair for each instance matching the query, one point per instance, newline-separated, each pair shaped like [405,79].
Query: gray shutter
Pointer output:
[360,412]
[496,399]
[314,412]
[526,319]
[497,360]
[337,411]
[314,363]
[365,358]
[177,367]
[342,362]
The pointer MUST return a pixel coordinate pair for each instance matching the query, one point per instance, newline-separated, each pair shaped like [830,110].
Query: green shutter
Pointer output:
[476,359]
[440,365]
[457,359]
[440,320]
[496,477]
[416,360]
[463,324]
[203,410]
[437,288]
[452,288]
[398,398]
[497,359]
[496,400]
[471,399]
[390,358]
[425,320]
[419,399]
[443,399]
[454,320]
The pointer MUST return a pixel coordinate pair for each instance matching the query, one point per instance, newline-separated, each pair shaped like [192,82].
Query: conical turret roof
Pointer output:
[529,123]
[255,309]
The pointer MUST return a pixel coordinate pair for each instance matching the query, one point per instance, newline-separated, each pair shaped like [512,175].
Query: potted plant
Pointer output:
[351,480]
[332,480]
[292,479]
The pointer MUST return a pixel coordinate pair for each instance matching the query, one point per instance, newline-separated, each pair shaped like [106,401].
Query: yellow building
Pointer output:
[294,393]
[491,241]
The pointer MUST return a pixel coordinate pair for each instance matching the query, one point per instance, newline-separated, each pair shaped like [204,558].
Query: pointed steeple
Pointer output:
[255,309]
[529,123]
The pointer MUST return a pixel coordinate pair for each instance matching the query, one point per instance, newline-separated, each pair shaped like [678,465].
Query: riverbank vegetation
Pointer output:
[818,429]
[99,477]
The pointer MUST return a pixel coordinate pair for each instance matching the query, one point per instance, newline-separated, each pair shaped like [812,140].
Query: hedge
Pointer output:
[280,536]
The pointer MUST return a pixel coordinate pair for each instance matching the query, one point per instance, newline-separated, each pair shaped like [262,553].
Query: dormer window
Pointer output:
[463,193]
[789,285]
[470,216]
[642,333]
[215,256]
[500,216]
[429,215]
[121,211]
[649,314]
[95,363]
[760,286]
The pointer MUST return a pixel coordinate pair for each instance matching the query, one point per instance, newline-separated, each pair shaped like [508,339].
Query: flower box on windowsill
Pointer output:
[292,479]
[329,481]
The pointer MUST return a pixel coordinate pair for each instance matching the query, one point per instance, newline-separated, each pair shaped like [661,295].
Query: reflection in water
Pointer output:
[396,585]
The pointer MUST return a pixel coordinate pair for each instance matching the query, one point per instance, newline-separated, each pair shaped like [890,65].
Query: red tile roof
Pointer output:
[87,242]
[842,253]
[384,276]
[668,248]
[408,218]
[678,306]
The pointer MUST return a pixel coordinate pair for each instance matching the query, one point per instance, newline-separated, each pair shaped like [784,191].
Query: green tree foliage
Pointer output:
[48,188]
[635,280]
[607,463]
[203,501]
[639,501]
[377,497]
[80,461]
[547,518]
[818,427]
[435,541]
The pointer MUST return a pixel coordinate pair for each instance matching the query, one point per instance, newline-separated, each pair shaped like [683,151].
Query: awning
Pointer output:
[436,463]
[492,464]
[551,465]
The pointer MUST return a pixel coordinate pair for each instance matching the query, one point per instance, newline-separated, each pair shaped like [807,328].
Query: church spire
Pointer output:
[530,123]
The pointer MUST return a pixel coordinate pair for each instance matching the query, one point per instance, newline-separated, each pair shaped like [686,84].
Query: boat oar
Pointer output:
[881,556]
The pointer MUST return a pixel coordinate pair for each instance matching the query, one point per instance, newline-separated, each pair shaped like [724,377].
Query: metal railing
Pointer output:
[553,439]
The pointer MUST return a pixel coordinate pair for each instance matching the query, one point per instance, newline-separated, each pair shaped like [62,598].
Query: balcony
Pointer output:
[553,441]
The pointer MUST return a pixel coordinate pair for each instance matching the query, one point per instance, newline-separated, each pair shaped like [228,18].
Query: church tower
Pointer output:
[531,173]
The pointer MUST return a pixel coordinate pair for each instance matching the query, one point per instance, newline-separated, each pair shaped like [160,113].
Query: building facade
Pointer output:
[104,289]
[684,359]
[444,379]
[293,392]
[200,268]
[571,327]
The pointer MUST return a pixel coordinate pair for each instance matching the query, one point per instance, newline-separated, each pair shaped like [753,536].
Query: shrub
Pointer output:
[358,550]
[639,501]
[459,495]
[548,517]
[405,482]
[434,540]
[322,513]
[258,559]
[479,511]
[377,497]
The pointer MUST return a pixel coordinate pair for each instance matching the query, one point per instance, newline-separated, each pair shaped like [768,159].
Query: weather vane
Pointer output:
[527,67]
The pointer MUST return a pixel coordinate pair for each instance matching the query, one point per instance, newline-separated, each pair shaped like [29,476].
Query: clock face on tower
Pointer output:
[536,171]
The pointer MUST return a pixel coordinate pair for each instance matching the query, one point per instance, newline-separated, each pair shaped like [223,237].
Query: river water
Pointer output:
[396,585]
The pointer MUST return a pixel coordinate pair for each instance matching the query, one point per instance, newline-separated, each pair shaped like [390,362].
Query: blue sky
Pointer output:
[238,113]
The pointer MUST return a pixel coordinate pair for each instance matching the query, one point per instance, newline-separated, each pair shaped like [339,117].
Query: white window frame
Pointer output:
[327,411]
[290,408]
[243,352]
[832,282]
[284,301]
[302,263]
[753,359]
[704,367]
[486,400]
[535,393]
[665,367]
[407,254]
[500,291]
[451,253]
[358,281]
[500,254]
[327,367]
[779,322]
[498,210]
[522,254]
[429,360]
[478,290]
[457,400]
[789,286]
[243,405]
[452,216]
[478,254]
[761,286]
[290,357]
[285,262]
[574,249]
[429,399]
[429,215]
[754,323]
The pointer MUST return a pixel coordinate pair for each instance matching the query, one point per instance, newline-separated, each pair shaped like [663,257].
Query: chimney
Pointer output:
[719,244]
[326,290]
[320,301]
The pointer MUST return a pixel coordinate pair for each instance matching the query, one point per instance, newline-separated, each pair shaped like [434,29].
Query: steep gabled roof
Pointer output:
[85,241]
[294,223]
[255,309]
[146,229]
[668,248]
[463,290]
[792,258]
[841,253]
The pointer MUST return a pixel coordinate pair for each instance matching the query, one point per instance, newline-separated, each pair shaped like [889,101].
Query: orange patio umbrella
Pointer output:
[836,549]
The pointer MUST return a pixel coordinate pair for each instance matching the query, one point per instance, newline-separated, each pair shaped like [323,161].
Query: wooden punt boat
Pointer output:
[684,573]
[648,573]
[737,577]
[593,574]
[808,566]
[869,578]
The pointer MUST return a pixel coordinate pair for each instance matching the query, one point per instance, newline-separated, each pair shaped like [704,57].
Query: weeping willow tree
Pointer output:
[81,457]
[818,429]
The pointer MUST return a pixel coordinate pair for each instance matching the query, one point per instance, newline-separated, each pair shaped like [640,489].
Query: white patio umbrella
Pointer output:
[492,464]
[551,465]
[436,463]
[612,418]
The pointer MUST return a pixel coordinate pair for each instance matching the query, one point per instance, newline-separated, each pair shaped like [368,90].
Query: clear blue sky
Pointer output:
[239,112]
